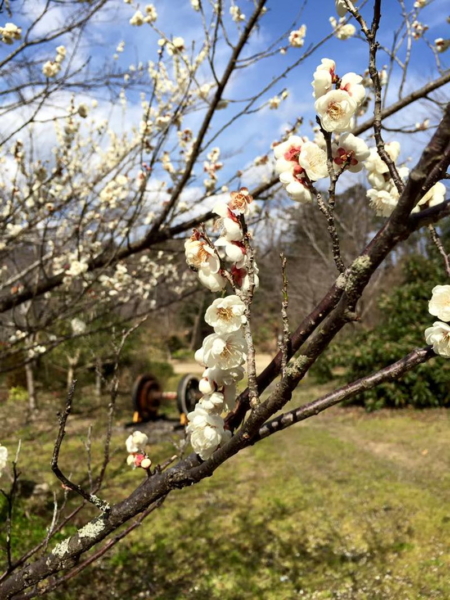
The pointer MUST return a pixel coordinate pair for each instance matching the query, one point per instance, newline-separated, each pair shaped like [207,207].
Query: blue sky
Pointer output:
[253,135]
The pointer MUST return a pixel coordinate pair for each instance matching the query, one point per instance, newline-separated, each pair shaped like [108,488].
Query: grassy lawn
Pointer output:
[347,505]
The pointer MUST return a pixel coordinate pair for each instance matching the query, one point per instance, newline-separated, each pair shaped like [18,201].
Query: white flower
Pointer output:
[441,44]
[213,402]
[439,337]
[336,109]
[175,46]
[236,14]
[240,202]
[225,351]
[151,13]
[351,151]
[234,251]
[314,160]
[200,255]
[195,4]
[214,378]
[78,326]
[274,102]
[207,432]
[297,38]
[77,267]
[10,33]
[439,305]
[341,7]
[226,314]
[351,83]
[136,442]
[297,187]
[377,167]
[324,77]
[137,19]
[213,280]
[3,458]
[231,226]
[435,195]
[51,68]
[383,201]
[342,31]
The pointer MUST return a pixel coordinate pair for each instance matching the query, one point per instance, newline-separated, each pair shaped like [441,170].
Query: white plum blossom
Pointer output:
[351,83]
[78,326]
[224,351]
[137,19]
[297,38]
[3,458]
[439,305]
[435,195]
[207,431]
[10,33]
[200,255]
[274,102]
[175,46]
[336,109]
[350,151]
[234,251]
[376,166]
[342,31]
[51,68]
[77,267]
[296,187]
[314,160]
[136,442]
[236,14]
[287,153]
[151,13]
[213,402]
[383,201]
[324,77]
[232,230]
[438,336]
[341,7]
[217,378]
[241,202]
[441,44]
[213,280]
[226,314]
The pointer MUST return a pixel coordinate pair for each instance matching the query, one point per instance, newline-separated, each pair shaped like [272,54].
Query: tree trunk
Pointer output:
[98,379]
[31,387]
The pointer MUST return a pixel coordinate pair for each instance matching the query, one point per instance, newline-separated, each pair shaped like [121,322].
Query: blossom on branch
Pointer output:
[206,431]
[439,337]
[350,151]
[225,351]
[297,38]
[439,305]
[336,109]
[226,314]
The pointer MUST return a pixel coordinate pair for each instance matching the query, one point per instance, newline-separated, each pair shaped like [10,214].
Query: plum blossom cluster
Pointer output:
[301,162]
[439,334]
[51,68]
[205,257]
[224,352]
[341,29]
[10,33]
[336,106]
[297,37]
[384,194]
[137,456]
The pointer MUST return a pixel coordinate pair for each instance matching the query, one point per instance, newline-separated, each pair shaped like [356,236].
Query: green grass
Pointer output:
[346,505]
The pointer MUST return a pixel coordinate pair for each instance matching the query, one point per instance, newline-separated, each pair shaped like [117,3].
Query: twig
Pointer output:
[439,245]
[286,348]
[92,498]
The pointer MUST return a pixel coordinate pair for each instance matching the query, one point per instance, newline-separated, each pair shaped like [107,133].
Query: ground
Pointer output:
[346,505]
